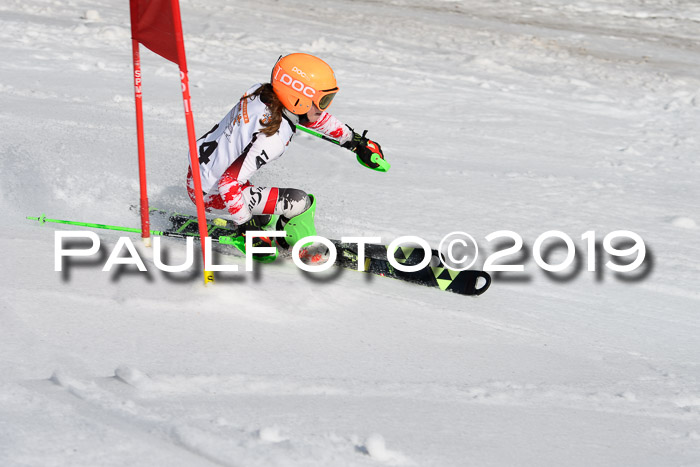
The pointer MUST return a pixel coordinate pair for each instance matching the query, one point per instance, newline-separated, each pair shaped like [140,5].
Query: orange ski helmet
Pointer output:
[301,79]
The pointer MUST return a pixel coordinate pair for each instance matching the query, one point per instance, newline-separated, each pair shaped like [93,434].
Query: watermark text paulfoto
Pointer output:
[457,251]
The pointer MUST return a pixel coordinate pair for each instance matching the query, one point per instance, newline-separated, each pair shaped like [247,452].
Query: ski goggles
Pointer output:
[325,99]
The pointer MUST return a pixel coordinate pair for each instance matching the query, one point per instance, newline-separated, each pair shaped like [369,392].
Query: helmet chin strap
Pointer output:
[291,117]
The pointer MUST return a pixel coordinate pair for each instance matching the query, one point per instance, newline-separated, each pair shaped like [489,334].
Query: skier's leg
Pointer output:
[211,200]
[285,202]
[295,208]
[299,225]
[228,197]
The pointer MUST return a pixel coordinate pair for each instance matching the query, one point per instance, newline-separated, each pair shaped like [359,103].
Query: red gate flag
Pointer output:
[152,25]
[157,25]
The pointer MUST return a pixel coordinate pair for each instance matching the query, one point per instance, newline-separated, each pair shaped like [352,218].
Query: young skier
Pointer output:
[257,131]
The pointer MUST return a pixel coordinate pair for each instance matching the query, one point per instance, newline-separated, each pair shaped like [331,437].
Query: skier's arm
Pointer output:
[330,126]
[258,153]
[368,152]
[365,148]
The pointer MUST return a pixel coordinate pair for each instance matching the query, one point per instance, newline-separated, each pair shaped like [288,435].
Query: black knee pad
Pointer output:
[295,202]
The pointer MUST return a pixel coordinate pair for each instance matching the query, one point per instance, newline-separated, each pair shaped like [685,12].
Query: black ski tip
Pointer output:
[467,282]
[487,277]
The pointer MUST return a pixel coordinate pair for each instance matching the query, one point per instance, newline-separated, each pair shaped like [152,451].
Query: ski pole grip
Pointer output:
[384,166]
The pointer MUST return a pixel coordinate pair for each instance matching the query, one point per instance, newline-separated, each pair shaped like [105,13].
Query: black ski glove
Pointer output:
[365,148]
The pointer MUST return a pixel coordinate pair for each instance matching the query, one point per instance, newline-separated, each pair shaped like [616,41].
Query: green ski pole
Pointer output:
[384,166]
[238,241]
[317,134]
[43,219]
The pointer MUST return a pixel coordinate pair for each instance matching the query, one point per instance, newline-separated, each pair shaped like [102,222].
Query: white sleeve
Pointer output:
[331,127]
[259,152]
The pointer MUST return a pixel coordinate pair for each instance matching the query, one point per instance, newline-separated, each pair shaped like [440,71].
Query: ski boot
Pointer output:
[299,227]
[259,222]
[238,240]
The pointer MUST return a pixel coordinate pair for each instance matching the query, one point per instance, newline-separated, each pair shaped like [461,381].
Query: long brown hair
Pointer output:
[269,98]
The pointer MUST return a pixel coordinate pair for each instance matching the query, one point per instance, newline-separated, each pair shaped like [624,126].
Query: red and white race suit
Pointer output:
[232,151]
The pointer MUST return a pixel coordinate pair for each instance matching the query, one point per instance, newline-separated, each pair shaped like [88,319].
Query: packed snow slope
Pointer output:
[523,116]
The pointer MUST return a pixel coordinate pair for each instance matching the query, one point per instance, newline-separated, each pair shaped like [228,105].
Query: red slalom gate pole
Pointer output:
[191,136]
[145,220]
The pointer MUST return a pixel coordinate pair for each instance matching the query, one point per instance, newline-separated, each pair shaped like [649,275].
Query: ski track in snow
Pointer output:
[121,403]
[149,408]
[527,116]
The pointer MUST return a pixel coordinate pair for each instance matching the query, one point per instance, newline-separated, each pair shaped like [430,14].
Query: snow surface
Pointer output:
[526,116]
